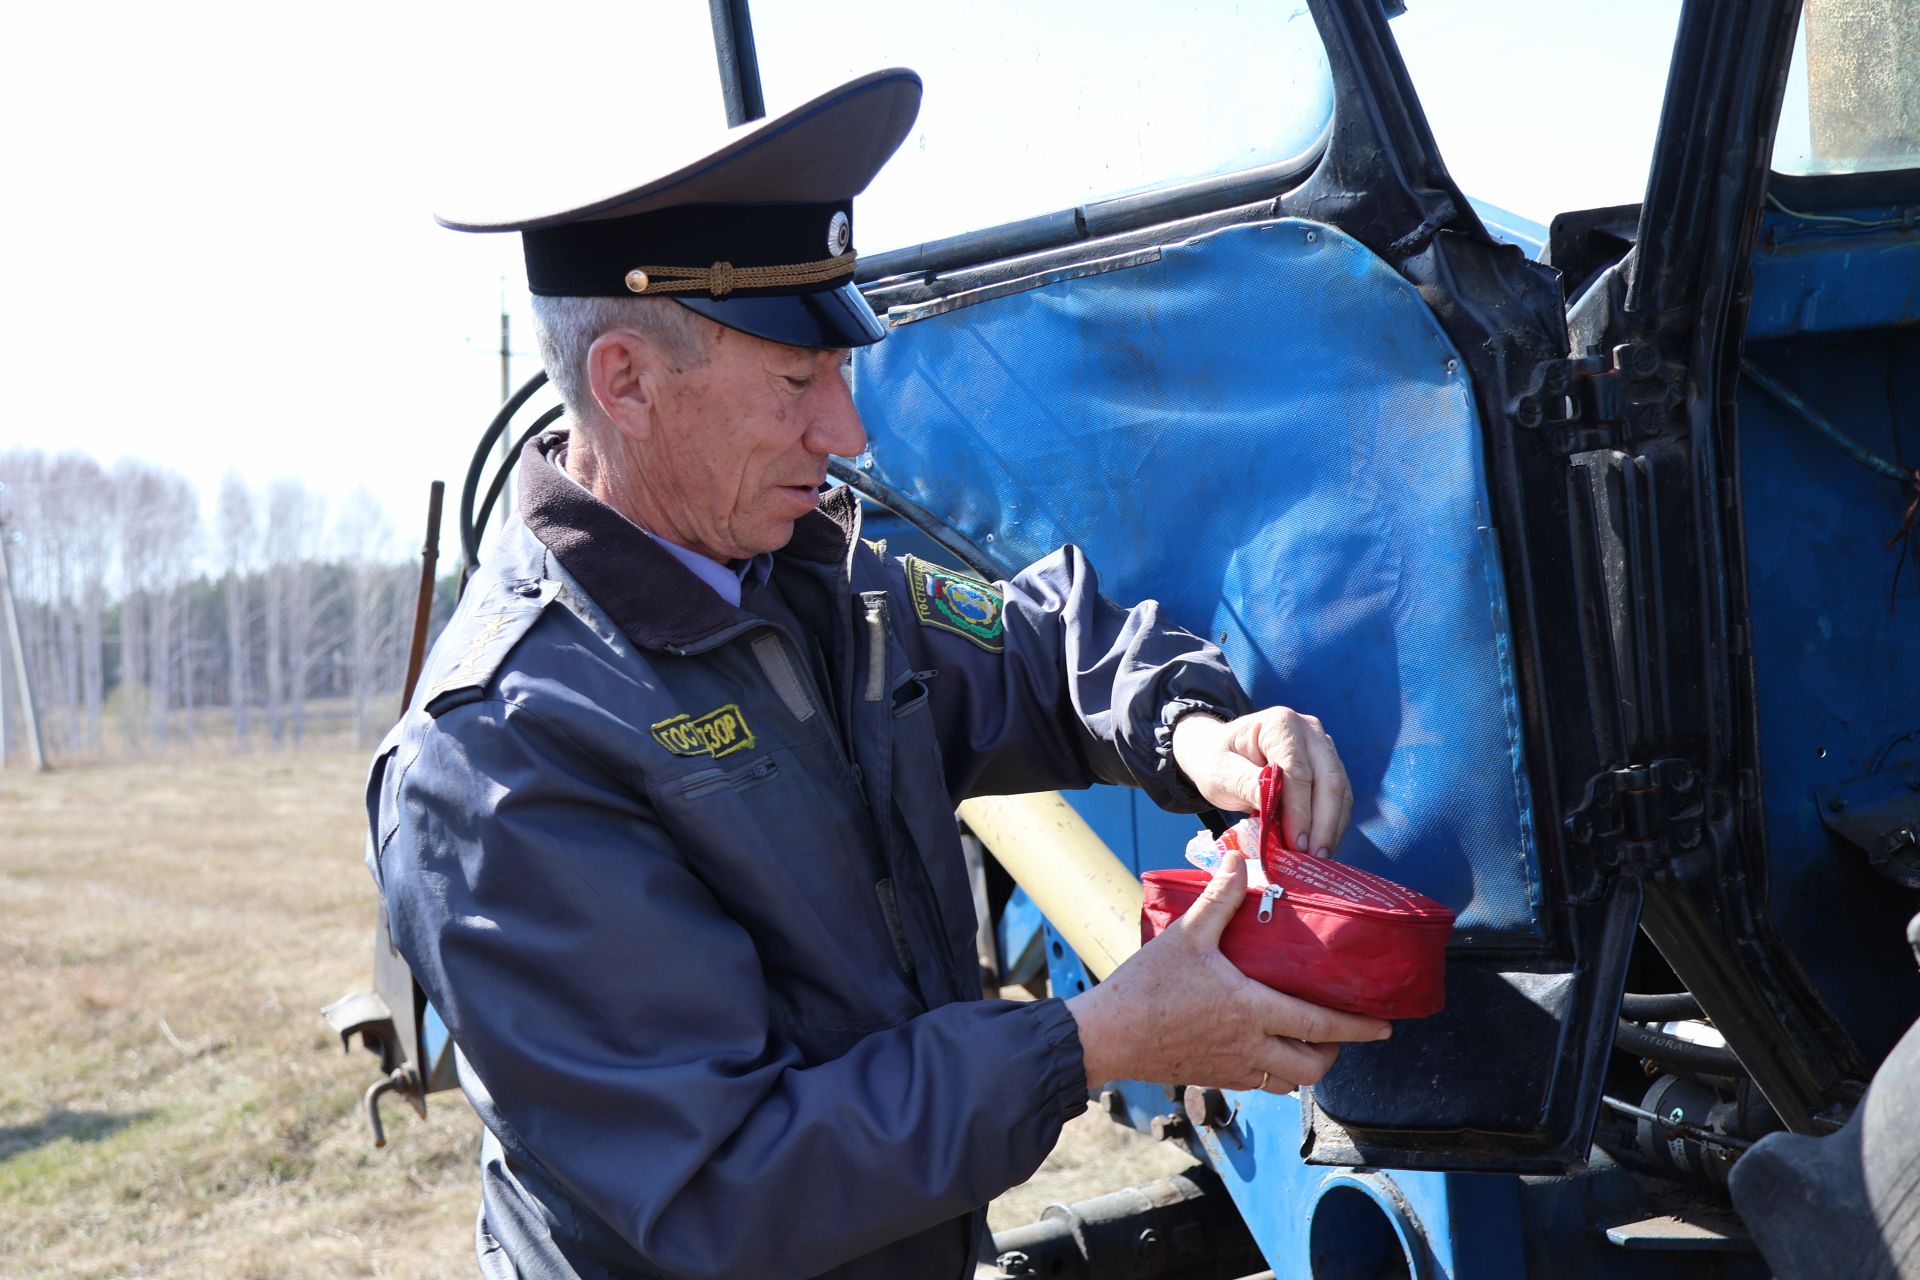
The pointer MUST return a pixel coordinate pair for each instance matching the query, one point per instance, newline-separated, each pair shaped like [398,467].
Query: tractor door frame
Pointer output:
[1613,491]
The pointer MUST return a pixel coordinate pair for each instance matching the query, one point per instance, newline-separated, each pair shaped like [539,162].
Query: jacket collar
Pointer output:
[653,598]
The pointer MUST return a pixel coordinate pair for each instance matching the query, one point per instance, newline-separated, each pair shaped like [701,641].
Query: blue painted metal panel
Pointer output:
[1266,430]
[1468,1227]
[1858,269]
[1511,228]
[436,1046]
[1453,1226]
[1021,939]
[1836,656]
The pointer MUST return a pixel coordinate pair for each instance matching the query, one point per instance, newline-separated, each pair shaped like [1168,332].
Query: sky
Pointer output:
[220,250]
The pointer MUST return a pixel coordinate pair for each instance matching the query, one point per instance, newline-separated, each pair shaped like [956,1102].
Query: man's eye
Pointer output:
[800,384]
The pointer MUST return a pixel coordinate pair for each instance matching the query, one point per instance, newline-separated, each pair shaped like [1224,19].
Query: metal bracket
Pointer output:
[1639,816]
[1879,815]
[366,1014]
[1600,402]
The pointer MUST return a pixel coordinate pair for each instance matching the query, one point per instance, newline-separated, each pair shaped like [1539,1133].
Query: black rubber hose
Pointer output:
[469,531]
[1671,1051]
[1676,1006]
[540,424]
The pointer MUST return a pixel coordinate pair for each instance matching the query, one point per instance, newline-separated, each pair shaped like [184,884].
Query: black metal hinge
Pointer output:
[1599,401]
[1637,817]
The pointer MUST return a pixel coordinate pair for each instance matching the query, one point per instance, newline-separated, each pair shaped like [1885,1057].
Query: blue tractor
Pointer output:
[1595,545]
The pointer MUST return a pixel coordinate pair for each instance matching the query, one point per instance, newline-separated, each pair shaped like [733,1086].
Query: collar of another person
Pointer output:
[649,594]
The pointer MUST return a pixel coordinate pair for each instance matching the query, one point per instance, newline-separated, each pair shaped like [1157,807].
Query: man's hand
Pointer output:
[1178,1012]
[1223,761]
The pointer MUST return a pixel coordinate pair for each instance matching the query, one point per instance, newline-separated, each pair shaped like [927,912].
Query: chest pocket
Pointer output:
[781,842]
[707,781]
[737,823]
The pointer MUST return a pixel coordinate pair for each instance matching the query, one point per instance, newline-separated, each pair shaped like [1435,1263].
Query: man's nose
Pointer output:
[836,428]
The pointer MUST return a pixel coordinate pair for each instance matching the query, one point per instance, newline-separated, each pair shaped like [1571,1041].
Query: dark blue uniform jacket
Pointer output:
[684,882]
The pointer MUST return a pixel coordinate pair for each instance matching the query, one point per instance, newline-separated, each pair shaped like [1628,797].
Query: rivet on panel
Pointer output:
[1312,236]
[1453,366]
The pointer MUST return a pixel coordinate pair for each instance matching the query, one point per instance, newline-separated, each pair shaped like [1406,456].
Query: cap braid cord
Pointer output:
[722,278]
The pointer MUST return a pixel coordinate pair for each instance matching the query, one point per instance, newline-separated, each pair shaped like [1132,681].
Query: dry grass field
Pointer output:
[171,1103]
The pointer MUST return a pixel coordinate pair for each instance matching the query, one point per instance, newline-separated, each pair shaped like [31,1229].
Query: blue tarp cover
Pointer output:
[1266,429]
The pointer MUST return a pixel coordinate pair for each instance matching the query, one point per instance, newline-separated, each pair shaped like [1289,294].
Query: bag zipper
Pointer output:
[1327,905]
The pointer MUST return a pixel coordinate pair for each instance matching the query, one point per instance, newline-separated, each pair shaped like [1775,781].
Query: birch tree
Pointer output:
[171,520]
[294,521]
[94,524]
[135,493]
[236,525]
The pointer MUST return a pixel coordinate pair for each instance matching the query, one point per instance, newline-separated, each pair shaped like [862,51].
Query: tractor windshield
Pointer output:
[1033,108]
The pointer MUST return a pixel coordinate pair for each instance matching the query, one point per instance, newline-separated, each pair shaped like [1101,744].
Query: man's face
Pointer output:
[740,442]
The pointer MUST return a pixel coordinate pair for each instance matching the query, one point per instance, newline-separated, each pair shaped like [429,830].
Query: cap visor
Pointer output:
[832,319]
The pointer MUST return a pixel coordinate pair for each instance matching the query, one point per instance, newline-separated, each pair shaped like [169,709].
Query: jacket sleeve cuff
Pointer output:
[1180,794]
[1063,1074]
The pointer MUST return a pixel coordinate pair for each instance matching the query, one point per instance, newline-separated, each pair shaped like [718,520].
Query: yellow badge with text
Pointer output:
[717,733]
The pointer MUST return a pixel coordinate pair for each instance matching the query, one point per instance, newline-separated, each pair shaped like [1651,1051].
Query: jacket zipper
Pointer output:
[713,779]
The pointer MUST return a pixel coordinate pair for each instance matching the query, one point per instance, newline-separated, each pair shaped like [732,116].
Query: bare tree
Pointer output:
[361,538]
[294,521]
[115,611]
[25,473]
[171,520]
[136,496]
[236,547]
[63,507]
[93,518]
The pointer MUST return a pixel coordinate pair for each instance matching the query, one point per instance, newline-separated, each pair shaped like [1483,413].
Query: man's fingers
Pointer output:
[1295,1062]
[1283,741]
[1207,918]
[1239,777]
[1284,1015]
[1332,795]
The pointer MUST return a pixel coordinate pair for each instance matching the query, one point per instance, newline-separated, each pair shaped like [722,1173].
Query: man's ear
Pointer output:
[624,373]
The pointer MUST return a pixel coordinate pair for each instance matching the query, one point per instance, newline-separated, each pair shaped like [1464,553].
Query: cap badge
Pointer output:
[839,234]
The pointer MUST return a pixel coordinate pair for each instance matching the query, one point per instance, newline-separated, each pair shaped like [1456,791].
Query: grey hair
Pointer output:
[567,327]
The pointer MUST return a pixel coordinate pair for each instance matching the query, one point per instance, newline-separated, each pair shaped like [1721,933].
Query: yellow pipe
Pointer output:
[1083,889]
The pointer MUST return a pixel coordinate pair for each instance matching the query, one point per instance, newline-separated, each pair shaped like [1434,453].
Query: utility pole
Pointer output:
[506,347]
[505,504]
[19,656]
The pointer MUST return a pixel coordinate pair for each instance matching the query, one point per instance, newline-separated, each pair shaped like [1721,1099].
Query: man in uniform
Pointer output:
[667,835]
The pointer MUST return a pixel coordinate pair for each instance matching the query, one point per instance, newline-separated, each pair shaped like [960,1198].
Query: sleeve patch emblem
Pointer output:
[715,734]
[965,606]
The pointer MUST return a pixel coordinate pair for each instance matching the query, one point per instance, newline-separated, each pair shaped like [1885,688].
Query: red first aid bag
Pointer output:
[1326,932]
